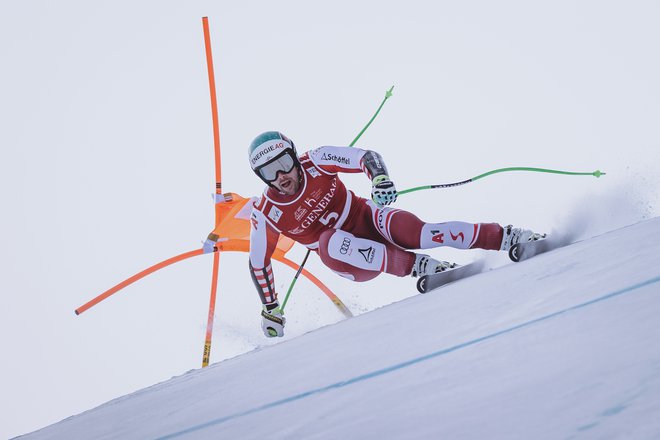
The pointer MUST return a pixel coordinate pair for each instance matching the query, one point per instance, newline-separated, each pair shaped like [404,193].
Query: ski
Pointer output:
[431,282]
[523,251]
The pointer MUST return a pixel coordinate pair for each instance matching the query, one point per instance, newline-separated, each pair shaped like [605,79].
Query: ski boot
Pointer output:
[513,236]
[425,265]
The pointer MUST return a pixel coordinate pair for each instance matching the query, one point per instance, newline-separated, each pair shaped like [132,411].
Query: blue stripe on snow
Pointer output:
[406,363]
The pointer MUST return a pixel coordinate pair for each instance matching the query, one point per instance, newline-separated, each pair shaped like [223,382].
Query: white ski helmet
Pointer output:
[272,152]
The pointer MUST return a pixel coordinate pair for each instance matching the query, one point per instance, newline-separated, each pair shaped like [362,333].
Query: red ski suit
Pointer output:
[354,237]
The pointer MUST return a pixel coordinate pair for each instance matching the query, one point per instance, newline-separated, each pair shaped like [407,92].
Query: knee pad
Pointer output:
[352,257]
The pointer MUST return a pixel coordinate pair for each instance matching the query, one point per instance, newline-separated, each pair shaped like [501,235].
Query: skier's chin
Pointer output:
[288,187]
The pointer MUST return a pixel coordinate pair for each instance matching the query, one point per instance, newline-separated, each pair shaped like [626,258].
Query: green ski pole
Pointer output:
[596,173]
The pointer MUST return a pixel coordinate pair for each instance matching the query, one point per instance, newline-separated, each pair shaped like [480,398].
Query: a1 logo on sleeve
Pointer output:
[274,214]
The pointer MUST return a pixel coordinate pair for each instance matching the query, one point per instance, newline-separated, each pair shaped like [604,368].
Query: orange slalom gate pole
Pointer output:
[214,108]
[218,188]
[136,277]
[209,325]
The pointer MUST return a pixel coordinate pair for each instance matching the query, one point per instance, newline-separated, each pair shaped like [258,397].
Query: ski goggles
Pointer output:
[282,163]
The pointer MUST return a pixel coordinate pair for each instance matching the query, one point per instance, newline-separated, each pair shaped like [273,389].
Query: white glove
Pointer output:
[209,246]
[383,191]
[272,320]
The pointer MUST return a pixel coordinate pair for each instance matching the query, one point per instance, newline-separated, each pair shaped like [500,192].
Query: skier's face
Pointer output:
[288,183]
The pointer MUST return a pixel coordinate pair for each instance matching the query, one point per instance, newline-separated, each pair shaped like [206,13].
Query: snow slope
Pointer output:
[565,345]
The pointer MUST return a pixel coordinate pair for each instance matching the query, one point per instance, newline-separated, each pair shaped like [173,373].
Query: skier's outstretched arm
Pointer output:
[355,160]
[263,240]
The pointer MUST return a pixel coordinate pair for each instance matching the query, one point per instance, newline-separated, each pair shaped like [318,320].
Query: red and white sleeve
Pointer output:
[348,160]
[338,159]
[263,240]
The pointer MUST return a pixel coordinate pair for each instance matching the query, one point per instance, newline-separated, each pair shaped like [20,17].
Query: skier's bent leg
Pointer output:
[361,259]
[408,231]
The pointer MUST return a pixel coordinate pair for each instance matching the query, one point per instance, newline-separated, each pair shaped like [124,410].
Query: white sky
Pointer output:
[107,168]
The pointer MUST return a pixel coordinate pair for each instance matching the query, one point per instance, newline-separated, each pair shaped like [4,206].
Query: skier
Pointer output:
[356,238]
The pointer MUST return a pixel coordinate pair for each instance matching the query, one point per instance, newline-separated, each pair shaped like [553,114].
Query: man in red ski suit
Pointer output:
[356,238]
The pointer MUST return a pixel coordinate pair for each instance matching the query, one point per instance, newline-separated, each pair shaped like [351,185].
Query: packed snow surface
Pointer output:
[564,345]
